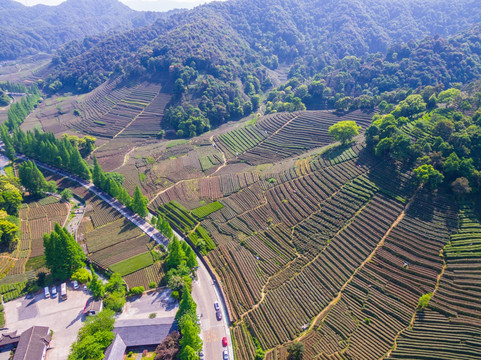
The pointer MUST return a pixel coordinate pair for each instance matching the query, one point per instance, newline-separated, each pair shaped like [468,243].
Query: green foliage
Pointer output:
[344,131]
[63,254]
[176,256]
[32,179]
[48,149]
[296,351]
[137,290]
[115,293]
[8,235]
[10,195]
[19,110]
[94,337]
[96,286]
[82,275]
[426,174]
[139,203]
[424,301]
[66,194]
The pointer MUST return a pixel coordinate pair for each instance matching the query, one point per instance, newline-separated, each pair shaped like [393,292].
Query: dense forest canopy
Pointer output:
[27,30]
[217,58]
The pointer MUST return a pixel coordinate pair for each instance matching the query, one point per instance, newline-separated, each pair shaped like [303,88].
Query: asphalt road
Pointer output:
[203,292]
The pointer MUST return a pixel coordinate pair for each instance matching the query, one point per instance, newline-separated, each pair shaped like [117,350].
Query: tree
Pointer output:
[139,203]
[94,337]
[32,179]
[63,255]
[383,147]
[424,301]
[8,234]
[444,128]
[82,276]
[66,194]
[176,254]
[188,353]
[344,131]
[426,174]
[296,351]
[461,187]
[412,105]
[452,164]
[169,347]
[187,305]
[10,195]
[190,337]
[400,147]
[95,285]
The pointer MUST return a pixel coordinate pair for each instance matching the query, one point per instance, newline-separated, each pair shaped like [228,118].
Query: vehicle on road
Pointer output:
[201,355]
[218,315]
[75,284]
[198,319]
[225,355]
[47,292]
[216,306]
[224,341]
[63,291]
[54,292]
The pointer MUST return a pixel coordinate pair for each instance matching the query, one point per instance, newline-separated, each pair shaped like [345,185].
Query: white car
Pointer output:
[225,355]
[216,306]
[54,292]
[75,284]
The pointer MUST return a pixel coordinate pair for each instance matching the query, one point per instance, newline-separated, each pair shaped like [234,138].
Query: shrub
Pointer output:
[152,285]
[82,276]
[138,290]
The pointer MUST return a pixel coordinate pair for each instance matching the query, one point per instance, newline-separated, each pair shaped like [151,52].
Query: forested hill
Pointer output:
[314,33]
[26,30]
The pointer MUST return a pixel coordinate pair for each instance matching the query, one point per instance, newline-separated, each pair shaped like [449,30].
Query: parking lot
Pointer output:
[159,303]
[63,317]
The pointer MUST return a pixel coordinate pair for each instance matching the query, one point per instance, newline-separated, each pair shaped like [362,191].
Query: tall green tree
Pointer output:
[32,179]
[139,203]
[190,337]
[63,255]
[187,306]
[176,255]
[95,285]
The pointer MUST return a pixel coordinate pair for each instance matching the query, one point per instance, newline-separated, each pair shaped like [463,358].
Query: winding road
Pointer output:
[204,292]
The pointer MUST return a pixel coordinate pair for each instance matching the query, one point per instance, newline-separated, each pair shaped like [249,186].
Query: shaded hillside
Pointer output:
[27,30]
[217,57]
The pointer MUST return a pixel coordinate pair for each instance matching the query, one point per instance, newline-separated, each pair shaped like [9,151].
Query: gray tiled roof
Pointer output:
[144,331]
[116,350]
[33,343]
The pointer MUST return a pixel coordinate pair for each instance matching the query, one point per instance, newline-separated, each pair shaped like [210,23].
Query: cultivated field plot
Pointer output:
[280,136]
[112,109]
[36,219]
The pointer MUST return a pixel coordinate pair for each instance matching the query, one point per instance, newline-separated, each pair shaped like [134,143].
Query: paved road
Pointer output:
[204,292]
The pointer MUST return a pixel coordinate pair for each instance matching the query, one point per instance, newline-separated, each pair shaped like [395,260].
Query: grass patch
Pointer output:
[142,177]
[9,171]
[205,210]
[98,122]
[133,264]
[35,263]
[176,143]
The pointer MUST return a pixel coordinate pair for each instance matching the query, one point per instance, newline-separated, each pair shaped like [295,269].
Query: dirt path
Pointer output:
[126,158]
[211,139]
[411,323]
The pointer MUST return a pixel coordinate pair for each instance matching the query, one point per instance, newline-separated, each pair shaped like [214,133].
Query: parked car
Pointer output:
[47,292]
[201,355]
[54,292]
[75,284]
[216,306]
[224,341]
[198,319]
[225,355]
[218,314]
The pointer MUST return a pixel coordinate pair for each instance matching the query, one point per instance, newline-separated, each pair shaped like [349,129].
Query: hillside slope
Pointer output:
[26,30]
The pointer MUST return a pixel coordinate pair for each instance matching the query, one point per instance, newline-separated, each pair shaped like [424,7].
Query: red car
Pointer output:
[224,341]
